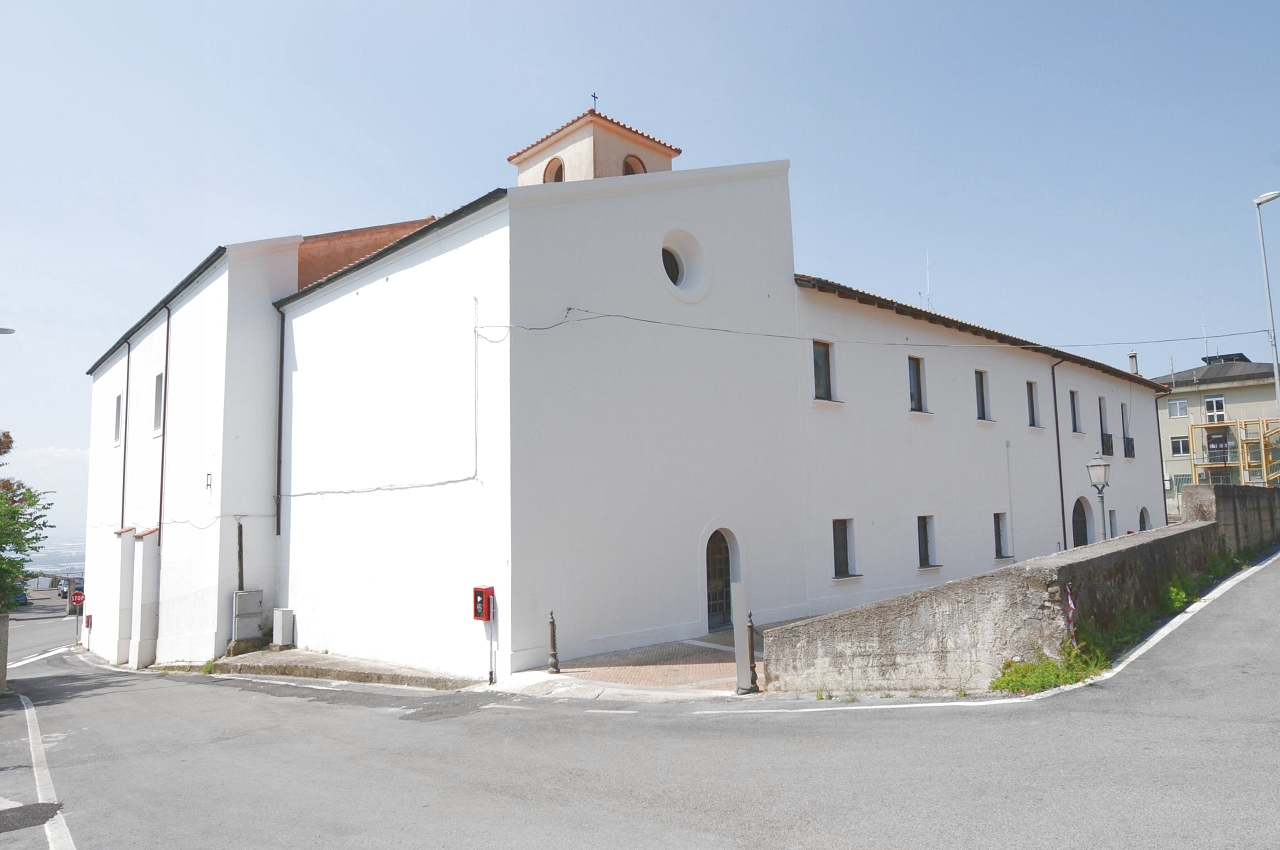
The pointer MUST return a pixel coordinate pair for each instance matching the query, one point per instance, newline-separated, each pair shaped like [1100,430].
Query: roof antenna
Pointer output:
[593,105]
[926,297]
[1204,330]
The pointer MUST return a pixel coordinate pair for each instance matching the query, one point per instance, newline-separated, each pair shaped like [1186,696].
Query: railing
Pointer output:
[1108,446]
[1218,456]
[1129,450]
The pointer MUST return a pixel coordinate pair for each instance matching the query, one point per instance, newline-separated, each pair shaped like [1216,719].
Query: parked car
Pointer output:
[21,597]
[62,589]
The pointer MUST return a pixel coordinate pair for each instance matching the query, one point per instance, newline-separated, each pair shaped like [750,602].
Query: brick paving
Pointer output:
[662,664]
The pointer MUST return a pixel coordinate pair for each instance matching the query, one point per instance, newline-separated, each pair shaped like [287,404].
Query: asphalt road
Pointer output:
[1181,749]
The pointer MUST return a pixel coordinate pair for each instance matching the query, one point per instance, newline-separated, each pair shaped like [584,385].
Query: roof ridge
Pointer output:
[601,115]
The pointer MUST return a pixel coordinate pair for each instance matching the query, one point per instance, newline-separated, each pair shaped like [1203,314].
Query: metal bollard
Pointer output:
[751,649]
[553,663]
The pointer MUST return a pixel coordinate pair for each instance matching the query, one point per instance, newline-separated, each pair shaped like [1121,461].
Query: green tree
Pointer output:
[23,521]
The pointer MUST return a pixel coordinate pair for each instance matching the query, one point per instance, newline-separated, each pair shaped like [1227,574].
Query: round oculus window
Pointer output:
[671,263]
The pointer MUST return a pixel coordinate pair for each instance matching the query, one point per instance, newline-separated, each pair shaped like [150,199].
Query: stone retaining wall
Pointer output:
[1248,518]
[959,634]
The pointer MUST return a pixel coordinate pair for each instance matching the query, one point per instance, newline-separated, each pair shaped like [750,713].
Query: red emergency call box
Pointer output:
[482,603]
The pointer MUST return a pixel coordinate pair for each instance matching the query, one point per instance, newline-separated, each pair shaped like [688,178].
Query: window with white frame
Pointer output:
[1177,408]
[1033,404]
[915,383]
[982,388]
[1003,550]
[822,370]
[119,412]
[1215,409]
[1124,420]
[842,543]
[159,403]
[1075,413]
[926,541]
[1179,446]
[1111,521]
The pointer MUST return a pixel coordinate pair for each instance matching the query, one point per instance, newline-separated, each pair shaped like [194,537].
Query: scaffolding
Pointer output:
[1243,451]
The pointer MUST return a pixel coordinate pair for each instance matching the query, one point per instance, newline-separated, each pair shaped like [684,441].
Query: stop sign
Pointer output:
[77,598]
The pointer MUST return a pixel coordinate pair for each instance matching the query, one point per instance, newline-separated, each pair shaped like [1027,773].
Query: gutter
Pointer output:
[279,421]
[1057,438]
[204,266]
[417,235]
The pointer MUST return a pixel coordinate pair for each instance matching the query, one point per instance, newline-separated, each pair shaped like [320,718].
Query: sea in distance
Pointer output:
[59,558]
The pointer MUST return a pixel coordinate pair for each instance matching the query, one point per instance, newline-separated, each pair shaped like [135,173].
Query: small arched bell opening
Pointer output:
[632,165]
[554,172]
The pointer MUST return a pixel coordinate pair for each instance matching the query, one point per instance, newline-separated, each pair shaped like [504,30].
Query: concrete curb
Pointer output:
[339,670]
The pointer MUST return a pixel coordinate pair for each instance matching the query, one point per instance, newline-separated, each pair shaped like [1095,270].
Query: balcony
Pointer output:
[1129,450]
[1217,456]
[1108,445]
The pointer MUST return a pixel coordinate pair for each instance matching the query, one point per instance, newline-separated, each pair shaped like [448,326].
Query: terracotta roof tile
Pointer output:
[601,116]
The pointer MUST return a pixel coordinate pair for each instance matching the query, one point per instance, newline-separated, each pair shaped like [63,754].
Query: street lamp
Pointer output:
[1266,281]
[1100,477]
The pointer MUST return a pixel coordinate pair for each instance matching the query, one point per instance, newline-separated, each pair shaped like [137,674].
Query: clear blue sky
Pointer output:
[1078,174]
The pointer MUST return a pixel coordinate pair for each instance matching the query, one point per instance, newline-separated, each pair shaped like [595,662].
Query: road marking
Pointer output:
[55,828]
[71,617]
[274,682]
[515,707]
[31,658]
[1132,655]
[610,711]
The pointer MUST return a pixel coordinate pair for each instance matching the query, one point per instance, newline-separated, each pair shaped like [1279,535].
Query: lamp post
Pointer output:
[1266,281]
[1100,477]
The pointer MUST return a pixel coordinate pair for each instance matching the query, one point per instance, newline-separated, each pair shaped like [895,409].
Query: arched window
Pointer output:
[632,165]
[719,615]
[1080,524]
[1144,520]
[554,172]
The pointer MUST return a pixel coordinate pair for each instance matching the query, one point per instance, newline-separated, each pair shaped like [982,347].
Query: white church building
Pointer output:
[604,391]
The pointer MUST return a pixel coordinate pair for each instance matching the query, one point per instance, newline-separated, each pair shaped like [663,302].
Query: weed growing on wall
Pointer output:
[1097,649]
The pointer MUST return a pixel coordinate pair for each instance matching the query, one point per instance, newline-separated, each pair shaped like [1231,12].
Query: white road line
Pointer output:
[274,682]
[514,707]
[31,658]
[609,711]
[55,828]
[1133,654]
[71,617]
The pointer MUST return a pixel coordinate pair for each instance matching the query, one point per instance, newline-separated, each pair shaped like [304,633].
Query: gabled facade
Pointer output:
[609,397]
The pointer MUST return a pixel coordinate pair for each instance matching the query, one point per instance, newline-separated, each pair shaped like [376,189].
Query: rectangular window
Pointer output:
[1124,420]
[1075,412]
[1179,446]
[915,378]
[1102,415]
[159,414]
[1177,408]
[1111,522]
[1002,536]
[1215,409]
[983,394]
[119,408]
[822,370]
[1180,481]
[843,548]
[1033,405]
[925,541]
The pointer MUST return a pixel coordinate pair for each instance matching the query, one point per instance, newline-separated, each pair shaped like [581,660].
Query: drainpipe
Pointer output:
[279,421]
[1057,437]
[1160,456]
[124,433]
[164,426]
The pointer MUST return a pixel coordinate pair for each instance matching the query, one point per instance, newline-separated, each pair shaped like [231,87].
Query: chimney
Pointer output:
[1133,362]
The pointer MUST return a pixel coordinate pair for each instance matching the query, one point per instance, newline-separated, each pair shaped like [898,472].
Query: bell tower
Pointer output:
[591,145]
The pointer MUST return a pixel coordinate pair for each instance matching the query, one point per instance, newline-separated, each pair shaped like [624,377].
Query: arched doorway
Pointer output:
[1144,519]
[1080,523]
[719,615]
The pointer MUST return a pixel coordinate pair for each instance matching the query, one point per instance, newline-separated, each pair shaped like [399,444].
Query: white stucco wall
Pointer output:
[397,454]
[633,442]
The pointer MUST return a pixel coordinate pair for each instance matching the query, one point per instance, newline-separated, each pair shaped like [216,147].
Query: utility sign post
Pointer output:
[76,598]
